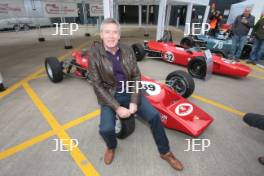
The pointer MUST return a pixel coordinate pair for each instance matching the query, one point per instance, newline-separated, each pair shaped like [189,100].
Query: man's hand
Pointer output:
[123,112]
[244,20]
[132,108]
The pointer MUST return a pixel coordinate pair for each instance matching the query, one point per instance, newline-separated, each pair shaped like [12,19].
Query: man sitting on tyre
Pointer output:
[110,64]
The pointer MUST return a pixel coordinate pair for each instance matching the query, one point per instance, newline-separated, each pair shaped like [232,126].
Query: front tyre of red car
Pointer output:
[139,51]
[197,67]
[124,127]
[53,69]
[181,82]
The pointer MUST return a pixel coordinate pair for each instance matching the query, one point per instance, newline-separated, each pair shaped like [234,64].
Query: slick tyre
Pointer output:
[124,127]
[54,69]
[139,51]
[181,82]
[197,67]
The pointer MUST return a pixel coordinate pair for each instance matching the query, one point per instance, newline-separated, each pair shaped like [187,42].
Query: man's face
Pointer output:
[247,12]
[110,35]
[213,5]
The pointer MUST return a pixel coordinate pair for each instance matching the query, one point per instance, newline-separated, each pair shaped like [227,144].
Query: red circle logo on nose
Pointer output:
[184,109]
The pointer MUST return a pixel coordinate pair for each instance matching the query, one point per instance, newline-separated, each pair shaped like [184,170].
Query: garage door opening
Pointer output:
[128,14]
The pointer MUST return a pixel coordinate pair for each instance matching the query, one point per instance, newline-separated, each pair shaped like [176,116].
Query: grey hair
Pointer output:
[249,8]
[109,21]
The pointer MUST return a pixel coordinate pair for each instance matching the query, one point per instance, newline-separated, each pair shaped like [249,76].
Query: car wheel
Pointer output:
[124,127]
[54,69]
[197,67]
[139,51]
[16,28]
[187,42]
[246,51]
[26,27]
[41,39]
[181,82]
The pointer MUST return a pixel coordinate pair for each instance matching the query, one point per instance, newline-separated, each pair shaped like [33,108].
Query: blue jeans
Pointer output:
[145,110]
[257,50]
[238,43]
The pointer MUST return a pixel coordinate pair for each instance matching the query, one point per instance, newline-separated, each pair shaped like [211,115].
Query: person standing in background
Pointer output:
[78,18]
[240,29]
[258,46]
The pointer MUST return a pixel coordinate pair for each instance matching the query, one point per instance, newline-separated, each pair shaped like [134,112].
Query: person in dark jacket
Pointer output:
[240,30]
[257,121]
[111,64]
[258,47]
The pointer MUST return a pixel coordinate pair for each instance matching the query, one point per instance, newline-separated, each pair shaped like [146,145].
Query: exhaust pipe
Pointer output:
[2,87]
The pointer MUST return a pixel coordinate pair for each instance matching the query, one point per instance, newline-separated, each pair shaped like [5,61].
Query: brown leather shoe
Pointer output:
[109,156]
[170,158]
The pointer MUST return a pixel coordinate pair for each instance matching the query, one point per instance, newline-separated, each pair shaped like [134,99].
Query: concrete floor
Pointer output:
[28,128]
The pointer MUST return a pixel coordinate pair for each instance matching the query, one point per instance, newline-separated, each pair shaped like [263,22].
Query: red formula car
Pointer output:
[194,58]
[169,99]
[175,110]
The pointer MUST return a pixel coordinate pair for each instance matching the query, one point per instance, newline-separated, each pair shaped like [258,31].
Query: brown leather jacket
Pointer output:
[102,76]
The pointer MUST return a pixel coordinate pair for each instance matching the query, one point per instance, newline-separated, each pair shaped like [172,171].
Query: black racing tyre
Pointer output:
[181,82]
[68,47]
[139,51]
[124,127]
[219,53]
[197,67]
[187,42]
[41,39]
[246,51]
[16,27]
[26,27]
[53,69]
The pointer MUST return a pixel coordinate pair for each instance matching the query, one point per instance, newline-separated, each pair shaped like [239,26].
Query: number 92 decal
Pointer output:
[168,56]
